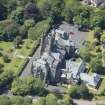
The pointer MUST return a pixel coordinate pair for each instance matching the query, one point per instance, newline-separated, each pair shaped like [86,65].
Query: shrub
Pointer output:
[6,58]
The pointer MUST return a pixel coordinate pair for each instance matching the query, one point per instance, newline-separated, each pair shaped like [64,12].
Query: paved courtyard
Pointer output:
[79,37]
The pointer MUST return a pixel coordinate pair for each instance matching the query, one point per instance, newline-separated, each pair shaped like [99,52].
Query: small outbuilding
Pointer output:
[91,80]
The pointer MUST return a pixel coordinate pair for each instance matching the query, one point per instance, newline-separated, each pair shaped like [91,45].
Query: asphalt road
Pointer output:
[27,71]
[79,37]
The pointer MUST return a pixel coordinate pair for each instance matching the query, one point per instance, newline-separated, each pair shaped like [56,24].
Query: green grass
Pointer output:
[5,45]
[90,37]
[94,54]
[102,86]
[15,63]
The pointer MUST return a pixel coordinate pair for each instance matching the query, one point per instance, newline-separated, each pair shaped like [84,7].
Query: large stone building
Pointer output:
[57,62]
[56,48]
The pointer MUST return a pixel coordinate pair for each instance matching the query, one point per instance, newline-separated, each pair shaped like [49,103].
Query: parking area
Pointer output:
[77,36]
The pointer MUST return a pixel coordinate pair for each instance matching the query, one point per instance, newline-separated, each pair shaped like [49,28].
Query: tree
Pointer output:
[11,5]
[5,78]
[3,12]
[29,23]
[41,101]
[6,58]
[51,99]
[41,27]
[4,100]
[1,67]
[97,32]
[44,7]
[56,7]
[20,86]
[78,21]
[96,65]
[85,54]
[68,14]
[23,31]
[103,92]
[97,21]
[37,86]
[11,31]
[17,41]
[19,100]
[31,11]
[103,38]
[29,85]
[84,92]
[18,15]
[66,100]
[3,25]
[73,92]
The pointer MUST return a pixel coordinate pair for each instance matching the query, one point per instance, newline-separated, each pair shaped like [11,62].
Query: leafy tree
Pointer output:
[20,86]
[18,100]
[103,92]
[11,31]
[17,41]
[29,23]
[6,58]
[103,37]
[35,33]
[51,99]
[85,54]
[5,78]
[97,21]
[55,7]
[3,25]
[66,100]
[1,67]
[78,21]
[97,32]
[4,100]
[74,92]
[18,15]
[68,14]
[27,85]
[84,92]
[96,65]
[31,11]
[23,31]
[3,12]
[44,7]
[41,101]
[11,5]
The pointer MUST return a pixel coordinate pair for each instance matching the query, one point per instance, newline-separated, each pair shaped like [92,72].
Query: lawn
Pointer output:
[16,62]
[90,37]
[102,86]
[94,54]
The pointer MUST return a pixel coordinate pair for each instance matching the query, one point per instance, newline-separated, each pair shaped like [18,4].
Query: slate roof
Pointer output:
[92,80]
[73,68]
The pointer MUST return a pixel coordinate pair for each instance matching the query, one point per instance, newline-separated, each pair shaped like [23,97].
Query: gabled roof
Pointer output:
[59,31]
[39,65]
[48,58]
[73,68]
[92,80]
